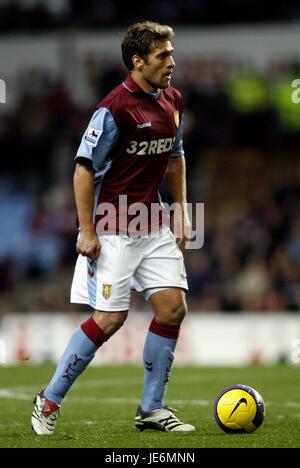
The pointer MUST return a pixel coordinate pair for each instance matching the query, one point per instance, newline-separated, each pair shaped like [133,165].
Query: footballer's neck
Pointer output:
[143,84]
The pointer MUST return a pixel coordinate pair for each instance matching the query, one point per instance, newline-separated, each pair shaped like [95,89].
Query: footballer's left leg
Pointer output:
[169,308]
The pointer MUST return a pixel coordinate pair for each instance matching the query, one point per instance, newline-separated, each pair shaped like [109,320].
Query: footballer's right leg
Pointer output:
[80,351]
[105,286]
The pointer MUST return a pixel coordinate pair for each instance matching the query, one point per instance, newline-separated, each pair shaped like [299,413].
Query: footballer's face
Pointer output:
[156,69]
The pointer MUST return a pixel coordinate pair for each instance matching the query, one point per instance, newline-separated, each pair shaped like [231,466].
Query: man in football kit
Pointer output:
[133,140]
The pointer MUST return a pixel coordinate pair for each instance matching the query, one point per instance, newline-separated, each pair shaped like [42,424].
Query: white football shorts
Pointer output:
[147,264]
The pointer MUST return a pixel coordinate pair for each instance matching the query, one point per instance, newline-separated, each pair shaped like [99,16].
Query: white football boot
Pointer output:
[44,415]
[162,419]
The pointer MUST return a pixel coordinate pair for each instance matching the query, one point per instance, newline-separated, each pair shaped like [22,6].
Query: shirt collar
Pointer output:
[133,87]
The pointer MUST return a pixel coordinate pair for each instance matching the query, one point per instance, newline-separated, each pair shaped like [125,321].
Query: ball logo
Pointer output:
[241,400]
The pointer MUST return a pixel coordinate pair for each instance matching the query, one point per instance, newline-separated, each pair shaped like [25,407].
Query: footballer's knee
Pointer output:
[172,313]
[110,322]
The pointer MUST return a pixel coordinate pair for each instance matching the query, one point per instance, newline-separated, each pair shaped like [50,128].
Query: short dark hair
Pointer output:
[140,37]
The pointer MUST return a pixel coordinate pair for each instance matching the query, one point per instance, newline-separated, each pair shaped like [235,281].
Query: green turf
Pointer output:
[100,407]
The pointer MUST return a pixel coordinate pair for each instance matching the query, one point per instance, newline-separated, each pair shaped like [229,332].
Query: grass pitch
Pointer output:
[100,407]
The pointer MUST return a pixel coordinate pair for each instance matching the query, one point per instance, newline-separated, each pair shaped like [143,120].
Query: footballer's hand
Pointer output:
[88,244]
[181,226]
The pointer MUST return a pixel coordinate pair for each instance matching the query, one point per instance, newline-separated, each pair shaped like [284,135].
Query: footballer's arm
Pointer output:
[88,243]
[176,181]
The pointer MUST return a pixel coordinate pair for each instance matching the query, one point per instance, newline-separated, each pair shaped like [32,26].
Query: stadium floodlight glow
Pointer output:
[2,92]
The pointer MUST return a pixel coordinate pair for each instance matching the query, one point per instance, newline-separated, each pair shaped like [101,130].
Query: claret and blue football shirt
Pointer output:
[128,142]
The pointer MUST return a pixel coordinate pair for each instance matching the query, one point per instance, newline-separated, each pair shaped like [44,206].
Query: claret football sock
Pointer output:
[80,351]
[158,359]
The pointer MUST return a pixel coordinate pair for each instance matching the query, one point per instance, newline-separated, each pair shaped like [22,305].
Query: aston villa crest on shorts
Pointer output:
[106,288]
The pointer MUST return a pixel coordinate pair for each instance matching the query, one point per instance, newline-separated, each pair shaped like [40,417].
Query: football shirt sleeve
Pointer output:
[177,149]
[99,138]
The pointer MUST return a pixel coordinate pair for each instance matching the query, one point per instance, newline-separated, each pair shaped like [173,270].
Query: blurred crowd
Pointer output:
[42,15]
[242,134]
[251,255]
